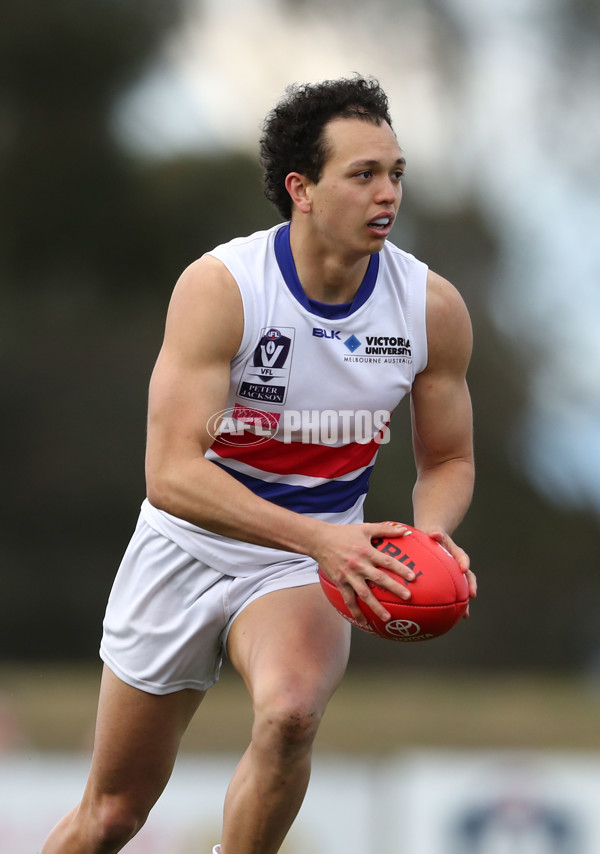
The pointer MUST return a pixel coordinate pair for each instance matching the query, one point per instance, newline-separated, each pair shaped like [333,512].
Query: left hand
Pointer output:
[460,556]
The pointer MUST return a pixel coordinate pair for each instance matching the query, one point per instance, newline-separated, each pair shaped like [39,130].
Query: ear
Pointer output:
[298,186]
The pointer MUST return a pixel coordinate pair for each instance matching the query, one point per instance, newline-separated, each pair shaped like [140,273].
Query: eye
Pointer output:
[399,174]
[365,174]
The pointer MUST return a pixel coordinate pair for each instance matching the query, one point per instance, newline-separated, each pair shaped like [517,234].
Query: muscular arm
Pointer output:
[442,419]
[189,385]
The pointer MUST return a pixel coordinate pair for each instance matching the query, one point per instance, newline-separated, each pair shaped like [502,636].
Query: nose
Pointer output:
[388,191]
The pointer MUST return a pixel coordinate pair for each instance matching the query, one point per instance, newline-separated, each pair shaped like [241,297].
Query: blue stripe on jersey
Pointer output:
[285,260]
[335,496]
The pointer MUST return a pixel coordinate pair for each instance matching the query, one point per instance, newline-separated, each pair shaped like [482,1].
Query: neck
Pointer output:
[325,274]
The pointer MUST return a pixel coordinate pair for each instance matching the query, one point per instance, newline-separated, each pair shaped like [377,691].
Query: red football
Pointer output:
[440,592]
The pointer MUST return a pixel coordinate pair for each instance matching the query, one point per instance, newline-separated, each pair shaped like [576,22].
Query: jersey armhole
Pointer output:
[248,307]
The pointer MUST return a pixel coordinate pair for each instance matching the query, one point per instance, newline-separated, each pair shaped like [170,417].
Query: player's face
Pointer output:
[355,202]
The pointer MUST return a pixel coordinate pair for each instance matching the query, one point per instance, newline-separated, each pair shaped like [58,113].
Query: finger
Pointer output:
[390,581]
[459,555]
[374,604]
[350,600]
[362,590]
[378,609]
[462,559]
[387,529]
[392,564]
[472,579]
[366,594]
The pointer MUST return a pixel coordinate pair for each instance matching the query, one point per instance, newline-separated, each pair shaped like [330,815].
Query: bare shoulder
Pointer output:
[449,331]
[205,308]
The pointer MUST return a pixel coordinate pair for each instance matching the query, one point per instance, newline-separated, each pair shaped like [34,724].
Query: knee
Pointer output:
[117,820]
[287,723]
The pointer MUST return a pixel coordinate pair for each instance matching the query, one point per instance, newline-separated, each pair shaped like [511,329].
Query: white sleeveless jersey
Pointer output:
[312,390]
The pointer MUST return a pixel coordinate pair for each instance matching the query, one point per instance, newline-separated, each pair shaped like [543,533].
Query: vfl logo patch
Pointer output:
[267,372]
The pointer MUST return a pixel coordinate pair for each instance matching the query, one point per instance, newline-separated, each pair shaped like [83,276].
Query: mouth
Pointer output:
[382,224]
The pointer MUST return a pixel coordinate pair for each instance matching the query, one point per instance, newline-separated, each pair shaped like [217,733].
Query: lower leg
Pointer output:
[264,796]
[137,738]
[291,649]
[95,834]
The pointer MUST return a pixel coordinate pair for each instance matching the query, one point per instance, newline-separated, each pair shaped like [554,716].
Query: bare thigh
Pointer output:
[290,640]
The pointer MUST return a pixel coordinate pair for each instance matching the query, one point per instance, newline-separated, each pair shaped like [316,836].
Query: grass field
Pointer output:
[52,708]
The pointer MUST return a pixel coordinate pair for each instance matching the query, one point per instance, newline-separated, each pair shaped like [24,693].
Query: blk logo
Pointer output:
[326,333]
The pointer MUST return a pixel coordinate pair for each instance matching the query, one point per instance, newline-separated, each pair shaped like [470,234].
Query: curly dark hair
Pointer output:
[293,131]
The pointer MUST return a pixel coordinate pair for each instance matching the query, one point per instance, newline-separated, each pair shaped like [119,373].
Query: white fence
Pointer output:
[414,803]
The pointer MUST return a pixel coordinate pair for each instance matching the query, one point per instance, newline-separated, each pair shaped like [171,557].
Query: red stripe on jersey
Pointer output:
[307,459]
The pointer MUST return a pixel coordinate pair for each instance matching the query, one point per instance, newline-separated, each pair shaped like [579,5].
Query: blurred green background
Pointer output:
[101,207]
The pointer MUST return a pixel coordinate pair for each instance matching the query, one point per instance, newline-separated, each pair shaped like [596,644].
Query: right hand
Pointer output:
[347,557]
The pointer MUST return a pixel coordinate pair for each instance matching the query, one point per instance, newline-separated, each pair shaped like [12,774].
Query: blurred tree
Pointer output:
[68,193]
[68,200]
[91,241]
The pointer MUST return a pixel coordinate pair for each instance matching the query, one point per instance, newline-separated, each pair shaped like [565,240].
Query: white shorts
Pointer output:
[168,615]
